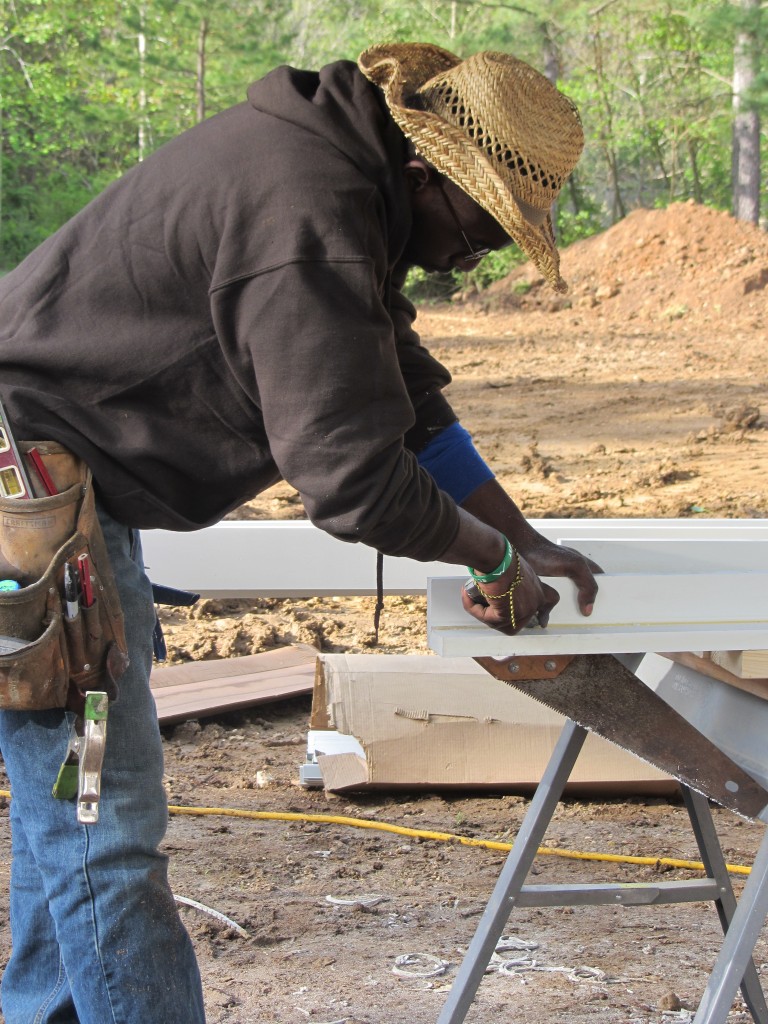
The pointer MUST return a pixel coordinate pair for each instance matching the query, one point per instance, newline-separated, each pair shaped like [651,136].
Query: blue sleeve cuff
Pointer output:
[454,463]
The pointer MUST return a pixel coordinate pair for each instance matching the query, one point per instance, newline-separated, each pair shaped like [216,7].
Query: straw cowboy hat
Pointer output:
[494,125]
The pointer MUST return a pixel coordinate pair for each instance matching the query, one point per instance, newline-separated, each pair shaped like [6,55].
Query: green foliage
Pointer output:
[35,211]
[85,92]
[421,287]
[573,225]
[495,266]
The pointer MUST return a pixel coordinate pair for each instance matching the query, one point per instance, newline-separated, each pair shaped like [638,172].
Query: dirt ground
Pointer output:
[642,393]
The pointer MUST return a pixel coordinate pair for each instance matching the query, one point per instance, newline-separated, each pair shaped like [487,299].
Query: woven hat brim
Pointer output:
[469,168]
[400,69]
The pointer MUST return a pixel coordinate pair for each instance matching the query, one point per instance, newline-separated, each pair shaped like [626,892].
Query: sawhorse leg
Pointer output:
[734,962]
[742,921]
[714,865]
[513,874]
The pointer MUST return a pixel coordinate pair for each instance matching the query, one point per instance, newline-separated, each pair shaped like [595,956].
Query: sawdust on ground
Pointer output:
[642,393]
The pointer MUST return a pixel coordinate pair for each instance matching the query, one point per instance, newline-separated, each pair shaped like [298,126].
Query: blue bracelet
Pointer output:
[490,577]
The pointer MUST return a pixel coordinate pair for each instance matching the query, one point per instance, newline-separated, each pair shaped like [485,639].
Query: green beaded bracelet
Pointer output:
[490,577]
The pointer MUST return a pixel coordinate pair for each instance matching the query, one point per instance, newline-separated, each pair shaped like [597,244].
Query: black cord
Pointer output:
[379,597]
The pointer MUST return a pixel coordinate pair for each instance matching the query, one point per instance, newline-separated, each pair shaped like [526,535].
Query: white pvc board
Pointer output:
[686,554]
[292,558]
[248,559]
[659,528]
[634,612]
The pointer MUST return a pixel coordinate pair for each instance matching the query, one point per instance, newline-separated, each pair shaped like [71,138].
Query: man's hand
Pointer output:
[516,599]
[491,504]
[549,559]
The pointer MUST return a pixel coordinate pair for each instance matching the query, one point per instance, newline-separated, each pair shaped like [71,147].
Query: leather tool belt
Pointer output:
[52,650]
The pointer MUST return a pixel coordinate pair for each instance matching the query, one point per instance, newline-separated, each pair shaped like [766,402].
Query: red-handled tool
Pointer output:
[86,583]
[45,477]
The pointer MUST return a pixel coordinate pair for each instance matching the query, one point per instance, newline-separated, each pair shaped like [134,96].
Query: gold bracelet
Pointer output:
[507,593]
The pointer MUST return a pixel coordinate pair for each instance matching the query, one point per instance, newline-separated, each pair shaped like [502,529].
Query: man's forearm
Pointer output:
[477,544]
[492,505]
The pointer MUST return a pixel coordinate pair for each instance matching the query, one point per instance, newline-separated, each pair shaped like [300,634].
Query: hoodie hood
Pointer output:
[337,107]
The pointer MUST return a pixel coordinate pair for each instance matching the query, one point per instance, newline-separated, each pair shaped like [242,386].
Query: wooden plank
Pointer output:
[744,664]
[703,663]
[203,688]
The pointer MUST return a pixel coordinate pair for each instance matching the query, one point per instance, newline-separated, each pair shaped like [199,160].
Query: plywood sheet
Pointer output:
[204,688]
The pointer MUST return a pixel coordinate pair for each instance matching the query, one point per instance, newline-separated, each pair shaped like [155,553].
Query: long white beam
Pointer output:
[634,612]
[294,559]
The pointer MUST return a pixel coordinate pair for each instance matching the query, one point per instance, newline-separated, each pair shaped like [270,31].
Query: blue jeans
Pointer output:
[96,935]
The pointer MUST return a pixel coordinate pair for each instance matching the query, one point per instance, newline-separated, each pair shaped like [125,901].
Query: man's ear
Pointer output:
[418,174]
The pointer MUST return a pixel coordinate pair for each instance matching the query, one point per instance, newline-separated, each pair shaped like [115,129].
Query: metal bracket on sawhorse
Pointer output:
[741,921]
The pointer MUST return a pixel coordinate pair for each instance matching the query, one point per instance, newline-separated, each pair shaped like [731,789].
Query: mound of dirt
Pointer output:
[686,261]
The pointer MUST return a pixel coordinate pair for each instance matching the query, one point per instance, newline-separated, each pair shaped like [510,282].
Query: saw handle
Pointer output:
[472,591]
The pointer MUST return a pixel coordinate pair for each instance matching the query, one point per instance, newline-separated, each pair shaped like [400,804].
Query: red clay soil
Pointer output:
[686,261]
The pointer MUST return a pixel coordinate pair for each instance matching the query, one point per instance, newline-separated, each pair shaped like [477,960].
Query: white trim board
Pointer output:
[292,558]
[673,554]
[634,612]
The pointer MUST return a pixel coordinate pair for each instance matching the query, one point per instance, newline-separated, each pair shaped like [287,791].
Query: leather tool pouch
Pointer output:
[57,659]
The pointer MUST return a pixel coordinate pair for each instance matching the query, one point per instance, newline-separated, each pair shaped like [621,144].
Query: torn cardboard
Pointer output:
[418,721]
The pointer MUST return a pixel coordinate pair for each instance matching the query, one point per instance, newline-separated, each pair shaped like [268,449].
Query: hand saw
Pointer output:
[598,693]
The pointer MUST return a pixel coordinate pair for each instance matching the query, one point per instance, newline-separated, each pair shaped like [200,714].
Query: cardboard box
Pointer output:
[417,721]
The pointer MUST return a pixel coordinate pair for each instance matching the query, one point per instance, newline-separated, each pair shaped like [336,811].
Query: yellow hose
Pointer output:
[445,837]
[489,844]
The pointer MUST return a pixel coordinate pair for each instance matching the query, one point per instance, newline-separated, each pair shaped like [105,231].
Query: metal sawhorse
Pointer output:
[718,730]
[742,921]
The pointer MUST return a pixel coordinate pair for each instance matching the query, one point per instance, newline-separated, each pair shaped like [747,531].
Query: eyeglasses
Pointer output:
[473,254]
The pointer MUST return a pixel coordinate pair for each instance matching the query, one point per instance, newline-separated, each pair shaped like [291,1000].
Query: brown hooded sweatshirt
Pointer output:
[223,316]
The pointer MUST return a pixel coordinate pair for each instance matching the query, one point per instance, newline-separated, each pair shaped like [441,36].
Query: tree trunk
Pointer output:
[141,43]
[201,40]
[552,73]
[698,192]
[2,261]
[746,120]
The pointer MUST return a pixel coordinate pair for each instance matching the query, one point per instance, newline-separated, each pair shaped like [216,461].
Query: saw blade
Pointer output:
[598,693]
